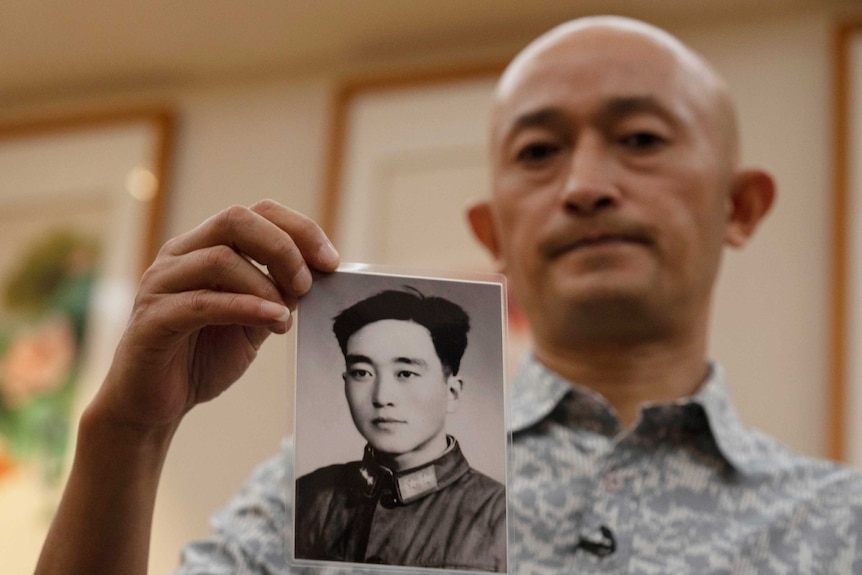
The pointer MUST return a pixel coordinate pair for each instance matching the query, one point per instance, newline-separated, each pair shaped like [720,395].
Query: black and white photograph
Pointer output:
[400,439]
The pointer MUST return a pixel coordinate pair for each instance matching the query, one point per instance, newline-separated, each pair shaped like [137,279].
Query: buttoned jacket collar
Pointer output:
[413,484]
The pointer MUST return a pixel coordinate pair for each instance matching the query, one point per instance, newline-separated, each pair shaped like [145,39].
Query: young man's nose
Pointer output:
[384,391]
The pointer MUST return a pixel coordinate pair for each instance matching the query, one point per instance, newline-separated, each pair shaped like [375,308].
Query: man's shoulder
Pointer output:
[480,494]
[826,483]
[328,477]
[786,461]
[485,483]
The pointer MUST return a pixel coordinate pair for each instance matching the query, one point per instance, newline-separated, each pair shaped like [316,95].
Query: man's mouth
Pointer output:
[594,240]
[386,421]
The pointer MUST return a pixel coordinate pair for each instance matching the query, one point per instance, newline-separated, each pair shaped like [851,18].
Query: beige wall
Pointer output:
[770,317]
[241,142]
[237,145]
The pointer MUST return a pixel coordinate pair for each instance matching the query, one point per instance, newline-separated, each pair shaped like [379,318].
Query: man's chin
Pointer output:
[596,306]
[388,449]
[603,290]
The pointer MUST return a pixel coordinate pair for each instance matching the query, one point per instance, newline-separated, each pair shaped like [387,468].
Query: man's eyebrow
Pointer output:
[630,105]
[353,358]
[412,361]
[616,107]
[537,118]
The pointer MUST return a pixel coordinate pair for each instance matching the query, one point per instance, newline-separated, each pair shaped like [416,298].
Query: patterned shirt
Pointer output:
[687,489]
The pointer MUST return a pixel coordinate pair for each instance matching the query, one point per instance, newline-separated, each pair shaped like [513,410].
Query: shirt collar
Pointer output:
[537,392]
[733,438]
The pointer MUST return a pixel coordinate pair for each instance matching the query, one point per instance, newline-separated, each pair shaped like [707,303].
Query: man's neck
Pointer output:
[427,452]
[632,374]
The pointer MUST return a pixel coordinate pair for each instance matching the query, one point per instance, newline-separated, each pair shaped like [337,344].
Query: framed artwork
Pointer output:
[846,297]
[81,202]
[404,147]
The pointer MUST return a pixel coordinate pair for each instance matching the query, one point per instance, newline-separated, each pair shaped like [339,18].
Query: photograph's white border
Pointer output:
[399,272]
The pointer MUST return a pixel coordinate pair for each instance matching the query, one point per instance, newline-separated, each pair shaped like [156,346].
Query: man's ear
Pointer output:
[453,388]
[482,223]
[752,195]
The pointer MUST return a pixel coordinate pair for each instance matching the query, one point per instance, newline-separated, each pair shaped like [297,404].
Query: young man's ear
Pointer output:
[482,223]
[454,387]
[752,196]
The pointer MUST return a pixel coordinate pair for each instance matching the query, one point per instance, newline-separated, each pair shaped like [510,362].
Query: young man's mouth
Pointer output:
[387,422]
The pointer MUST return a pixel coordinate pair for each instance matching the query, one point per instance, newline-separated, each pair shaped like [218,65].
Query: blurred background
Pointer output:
[279,99]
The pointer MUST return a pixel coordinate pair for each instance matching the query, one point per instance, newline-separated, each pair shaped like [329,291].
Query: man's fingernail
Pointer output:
[276,311]
[301,281]
[327,254]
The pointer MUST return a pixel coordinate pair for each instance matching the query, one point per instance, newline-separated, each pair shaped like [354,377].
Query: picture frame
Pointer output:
[393,138]
[845,314]
[82,201]
[382,387]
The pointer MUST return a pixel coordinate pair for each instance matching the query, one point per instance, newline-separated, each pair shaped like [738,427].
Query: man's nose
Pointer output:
[385,388]
[589,185]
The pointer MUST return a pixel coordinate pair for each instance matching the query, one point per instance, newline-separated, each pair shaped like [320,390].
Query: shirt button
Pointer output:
[613,483]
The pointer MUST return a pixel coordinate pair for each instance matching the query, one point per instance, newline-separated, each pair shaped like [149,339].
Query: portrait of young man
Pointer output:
[408,495]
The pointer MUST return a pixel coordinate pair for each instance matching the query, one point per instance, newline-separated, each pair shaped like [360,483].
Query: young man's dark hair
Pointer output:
[447,321]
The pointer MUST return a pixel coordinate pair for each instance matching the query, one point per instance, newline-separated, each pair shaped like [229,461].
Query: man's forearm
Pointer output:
[104,520]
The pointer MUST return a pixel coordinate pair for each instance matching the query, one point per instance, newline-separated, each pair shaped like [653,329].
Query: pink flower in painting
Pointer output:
[7,462]
[37,361]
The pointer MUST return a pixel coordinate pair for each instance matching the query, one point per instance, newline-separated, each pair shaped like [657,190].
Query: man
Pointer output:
[413,500]
[616,184]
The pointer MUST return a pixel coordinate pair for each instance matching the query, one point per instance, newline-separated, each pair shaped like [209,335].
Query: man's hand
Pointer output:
[205,306]
[202,311]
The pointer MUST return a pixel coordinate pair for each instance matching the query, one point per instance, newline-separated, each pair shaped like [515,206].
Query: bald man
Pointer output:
[616,187]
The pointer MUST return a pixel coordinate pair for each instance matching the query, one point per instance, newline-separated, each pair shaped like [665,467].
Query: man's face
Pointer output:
[611,172]
[398,392]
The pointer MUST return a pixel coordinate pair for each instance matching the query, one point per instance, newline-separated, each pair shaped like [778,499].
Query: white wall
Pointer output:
[240,143]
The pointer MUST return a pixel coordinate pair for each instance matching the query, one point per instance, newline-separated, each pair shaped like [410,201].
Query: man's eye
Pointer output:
[642,140]
[359,374]
[538,152]
[406,374]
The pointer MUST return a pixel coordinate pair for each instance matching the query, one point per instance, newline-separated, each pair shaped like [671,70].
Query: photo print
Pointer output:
[400,423]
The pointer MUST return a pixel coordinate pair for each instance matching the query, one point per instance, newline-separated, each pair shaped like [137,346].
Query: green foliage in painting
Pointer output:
[46,300]
[45,269]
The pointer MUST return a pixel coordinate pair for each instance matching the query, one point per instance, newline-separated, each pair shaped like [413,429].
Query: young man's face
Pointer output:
[398,392]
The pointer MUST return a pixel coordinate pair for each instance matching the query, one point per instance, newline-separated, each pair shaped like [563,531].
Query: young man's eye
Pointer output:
[642,140]
[538,152]
[359,374]
[406,374]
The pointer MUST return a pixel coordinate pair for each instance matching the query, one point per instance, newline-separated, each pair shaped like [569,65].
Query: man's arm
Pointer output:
[201,314]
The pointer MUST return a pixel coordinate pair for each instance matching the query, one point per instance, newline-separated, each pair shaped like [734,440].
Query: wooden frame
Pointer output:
[844,114]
